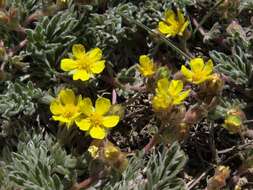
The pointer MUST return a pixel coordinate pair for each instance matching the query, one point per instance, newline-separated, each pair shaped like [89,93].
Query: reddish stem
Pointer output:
[85,183]
[152,142]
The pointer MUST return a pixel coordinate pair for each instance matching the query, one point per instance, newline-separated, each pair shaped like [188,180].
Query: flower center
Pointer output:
[84,63]
[96,119]
[70,110]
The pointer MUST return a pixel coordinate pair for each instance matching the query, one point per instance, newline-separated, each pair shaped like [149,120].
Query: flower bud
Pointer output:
[109,154]
[215,84]
[234,121]
[163,72]
[194,114]
[219,179]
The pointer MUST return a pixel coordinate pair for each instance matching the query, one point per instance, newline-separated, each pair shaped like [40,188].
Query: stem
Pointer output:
[152,142]
[167,41]
[85,183]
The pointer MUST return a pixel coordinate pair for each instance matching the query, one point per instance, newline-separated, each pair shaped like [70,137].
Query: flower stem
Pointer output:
[85,183]
[164,39]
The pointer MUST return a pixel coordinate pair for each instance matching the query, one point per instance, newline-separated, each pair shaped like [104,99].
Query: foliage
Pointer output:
[159,172]
[19,99]
[237,66]
[39,163]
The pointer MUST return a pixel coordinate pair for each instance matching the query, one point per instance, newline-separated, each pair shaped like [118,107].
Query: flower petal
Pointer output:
[165,28]
[83,124]
[81,74]
[183,27]
[170,17]
[98,67]
[61,119]
[197,64]
[175,87]
[186,72]
[95,54]
[110,121]
[87,107]
[68,64]
[67,96]
[78,51]
[163,85]
[208,68]
[102,105]
[97,132]
[56,108]
[180,17]
[144,60]
[181,97]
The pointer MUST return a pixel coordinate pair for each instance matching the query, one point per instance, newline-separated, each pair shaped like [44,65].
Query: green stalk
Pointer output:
[164,39]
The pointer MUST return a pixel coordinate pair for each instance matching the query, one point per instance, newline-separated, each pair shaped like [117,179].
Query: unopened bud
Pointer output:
[194,114]
[163,72]
[234,121]
[109,154]
[215,84]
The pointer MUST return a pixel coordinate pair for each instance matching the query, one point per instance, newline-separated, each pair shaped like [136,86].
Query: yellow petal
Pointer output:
[197,64]
[97,132]
[170,17]
[67,96]
[186,72]
[81,74]
[110,121]
[56,108]
[78,51]
[68,64]
[181,97]
[208,68]
[87,107]
[83,124]
[144,60]
[95,54]
[175,87]
[164,28]
[183,27]
[180,16]
[61,119]
[98,67]
[102,105]
[163,85]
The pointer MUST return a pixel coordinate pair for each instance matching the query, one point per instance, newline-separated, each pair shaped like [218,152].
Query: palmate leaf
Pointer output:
[158,172]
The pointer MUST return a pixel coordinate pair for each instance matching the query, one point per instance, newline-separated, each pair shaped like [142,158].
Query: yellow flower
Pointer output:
[173,26]
[199,72]
[85,64]
[146,66]
[66,107]
[96,120]
[169,94]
